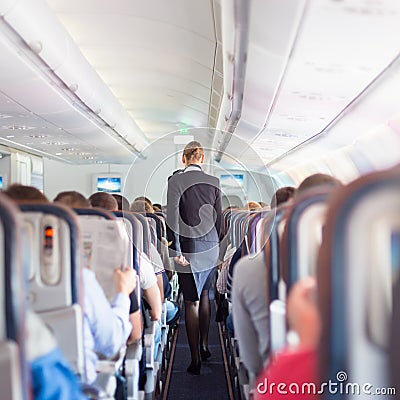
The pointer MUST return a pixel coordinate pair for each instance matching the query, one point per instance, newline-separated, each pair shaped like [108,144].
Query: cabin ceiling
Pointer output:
[157,57]
[162,62]
[339,48]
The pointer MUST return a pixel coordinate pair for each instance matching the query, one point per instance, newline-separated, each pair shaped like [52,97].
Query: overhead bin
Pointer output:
[32,20]
[253,64]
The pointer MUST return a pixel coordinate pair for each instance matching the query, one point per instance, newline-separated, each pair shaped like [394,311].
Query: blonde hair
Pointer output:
[252,206]
[141,206]
[193,151]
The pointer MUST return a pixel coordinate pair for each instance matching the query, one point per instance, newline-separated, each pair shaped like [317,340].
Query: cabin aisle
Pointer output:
[211,383]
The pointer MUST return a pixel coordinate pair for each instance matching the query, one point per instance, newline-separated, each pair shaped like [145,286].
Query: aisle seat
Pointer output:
[54,276]
[355,279]
[13,365]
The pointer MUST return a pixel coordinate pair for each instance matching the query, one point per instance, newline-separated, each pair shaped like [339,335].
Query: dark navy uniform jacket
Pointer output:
[194,216]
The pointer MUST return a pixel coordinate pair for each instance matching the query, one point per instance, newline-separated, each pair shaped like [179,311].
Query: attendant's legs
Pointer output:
[192,328]
[204,318]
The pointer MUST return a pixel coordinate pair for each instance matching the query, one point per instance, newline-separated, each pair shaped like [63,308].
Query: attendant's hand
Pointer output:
[181,260]
[125,280]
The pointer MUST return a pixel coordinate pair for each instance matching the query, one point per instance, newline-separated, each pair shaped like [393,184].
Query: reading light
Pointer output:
[36,46]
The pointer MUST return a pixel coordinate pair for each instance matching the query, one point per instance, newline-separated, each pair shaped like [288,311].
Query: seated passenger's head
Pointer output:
[317,180]
[123,202]
[193,153]
[303,313]
[103,200]
[72,199]
[230,208]
[22,194]
[263,205]
[144,198]
[282,195]
[141,206]
[157,207]
[252,206]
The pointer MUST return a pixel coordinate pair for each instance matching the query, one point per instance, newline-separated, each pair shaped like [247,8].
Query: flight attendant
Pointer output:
[194,218]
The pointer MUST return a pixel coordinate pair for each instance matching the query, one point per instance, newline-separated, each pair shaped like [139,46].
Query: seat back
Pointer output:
[395,322]
[158,228]
[302,235]
[54,275]
[146,233]
[276,295]
[355,274]
[13,366]
[134,231]
[271,243]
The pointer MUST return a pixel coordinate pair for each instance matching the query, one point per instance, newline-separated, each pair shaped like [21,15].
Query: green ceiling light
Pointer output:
[183,130]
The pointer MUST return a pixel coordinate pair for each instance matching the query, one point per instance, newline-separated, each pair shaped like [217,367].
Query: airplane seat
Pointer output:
[153,230]
[355,277]
[54,276]
[14,382]
[257,229]
[300,232]
[149,333]
[135,234]
[395,322]
[134,350]
[276,292]
[302,235]
[156,222]
[146,232]
[240,228]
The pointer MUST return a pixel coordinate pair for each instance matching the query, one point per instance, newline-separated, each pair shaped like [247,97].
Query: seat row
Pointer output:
[347,239]
[44,248]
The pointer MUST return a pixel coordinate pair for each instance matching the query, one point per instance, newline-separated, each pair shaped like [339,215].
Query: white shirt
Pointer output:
[146,272]
[105,327]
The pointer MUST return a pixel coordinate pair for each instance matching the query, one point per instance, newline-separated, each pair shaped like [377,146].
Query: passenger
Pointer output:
[157,207]
[195,197]
[317,180]
[144,198]
[240,252]
[252,206]
[152,295]
[141,206]
[249,318]
[105,328]
[23,194]
[160,262]
[282,195]
[123,202]
[250,312]
[151,292]
[51,375]
[103,200]
[297,365]
[102,336]
[72,199]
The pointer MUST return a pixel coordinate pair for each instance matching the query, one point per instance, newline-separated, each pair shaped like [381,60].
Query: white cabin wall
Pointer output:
[143,177]
[258,186]
[5,169]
